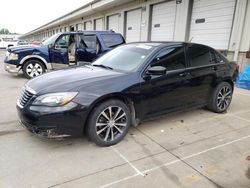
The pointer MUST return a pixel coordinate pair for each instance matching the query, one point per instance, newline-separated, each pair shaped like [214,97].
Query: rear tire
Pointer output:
[33,68]
[221,98]
[109,123]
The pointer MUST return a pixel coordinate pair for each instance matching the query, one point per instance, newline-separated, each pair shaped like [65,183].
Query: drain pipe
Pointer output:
[241,19]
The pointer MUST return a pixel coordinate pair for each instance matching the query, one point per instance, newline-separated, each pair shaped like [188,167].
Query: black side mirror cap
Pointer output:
[157,70]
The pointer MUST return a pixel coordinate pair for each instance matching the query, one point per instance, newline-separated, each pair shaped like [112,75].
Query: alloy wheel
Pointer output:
[111,123]
[34,69]
[224,98]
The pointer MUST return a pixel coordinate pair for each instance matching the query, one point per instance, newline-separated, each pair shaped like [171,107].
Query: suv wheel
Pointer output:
[109,123]
[221,97]
[33,68]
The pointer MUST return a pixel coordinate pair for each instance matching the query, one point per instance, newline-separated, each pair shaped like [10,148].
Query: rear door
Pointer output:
[88,48]
[59,52]
[203,70]
[166,92]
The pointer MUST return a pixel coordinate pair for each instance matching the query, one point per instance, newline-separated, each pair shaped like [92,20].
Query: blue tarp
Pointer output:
[243,79]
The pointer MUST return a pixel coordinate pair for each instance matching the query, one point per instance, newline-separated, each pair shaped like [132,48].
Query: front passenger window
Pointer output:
[62,42]
[171,58]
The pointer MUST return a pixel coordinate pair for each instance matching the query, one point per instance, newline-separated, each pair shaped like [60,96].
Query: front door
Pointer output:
[203,70]
[88,48]
[167,92]
[59,55]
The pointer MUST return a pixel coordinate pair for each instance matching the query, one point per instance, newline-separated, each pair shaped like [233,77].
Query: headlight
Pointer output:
[55,99]
[13,56]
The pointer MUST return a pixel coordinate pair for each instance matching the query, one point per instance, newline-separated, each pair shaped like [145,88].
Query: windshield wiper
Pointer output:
[103,66]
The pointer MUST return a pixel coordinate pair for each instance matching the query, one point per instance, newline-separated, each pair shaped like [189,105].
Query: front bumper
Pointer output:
[13,69]
[53,124]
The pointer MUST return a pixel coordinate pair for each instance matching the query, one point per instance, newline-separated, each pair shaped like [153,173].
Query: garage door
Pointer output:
[88,25]
[133,25]
[163,21]
[79,27]
[113,23]
[99,24]
[211,22]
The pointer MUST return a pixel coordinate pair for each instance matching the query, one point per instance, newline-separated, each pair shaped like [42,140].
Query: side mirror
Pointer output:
[157,70]
[51,46]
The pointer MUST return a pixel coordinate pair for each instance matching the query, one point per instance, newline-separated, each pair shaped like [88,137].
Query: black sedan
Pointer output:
[128,85]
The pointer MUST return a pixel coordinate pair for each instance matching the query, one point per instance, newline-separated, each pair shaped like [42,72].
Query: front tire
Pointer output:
[221,98]
[33,68]
[109,123]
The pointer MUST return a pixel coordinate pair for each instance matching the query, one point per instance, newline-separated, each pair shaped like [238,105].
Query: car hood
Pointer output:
[71,79]
[26,48]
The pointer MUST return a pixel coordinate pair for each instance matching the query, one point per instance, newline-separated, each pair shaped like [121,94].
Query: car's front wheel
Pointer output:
[109,123]
[33,68]
[221,97]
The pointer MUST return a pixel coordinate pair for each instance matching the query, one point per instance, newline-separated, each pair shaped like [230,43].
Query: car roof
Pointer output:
[165,43]
[89,32]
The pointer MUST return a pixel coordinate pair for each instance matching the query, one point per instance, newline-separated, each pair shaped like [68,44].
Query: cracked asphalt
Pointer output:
[189,149]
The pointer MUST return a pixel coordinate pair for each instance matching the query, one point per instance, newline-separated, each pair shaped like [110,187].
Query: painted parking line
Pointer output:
[138,172]
[176,161]
[241,118]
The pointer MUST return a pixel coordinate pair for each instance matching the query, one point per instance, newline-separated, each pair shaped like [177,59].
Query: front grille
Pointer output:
[24,97]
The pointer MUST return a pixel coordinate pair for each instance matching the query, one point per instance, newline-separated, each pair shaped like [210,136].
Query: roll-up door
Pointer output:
[133,25]
[88,25]
[113,23]
[211,22]
[163,21]
[99,24]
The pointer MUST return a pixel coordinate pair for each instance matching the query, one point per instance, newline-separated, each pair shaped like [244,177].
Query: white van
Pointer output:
[7,42]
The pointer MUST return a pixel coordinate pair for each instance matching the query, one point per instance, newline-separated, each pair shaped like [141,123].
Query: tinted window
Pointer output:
[90,41]
[198,56]
[171,58]
[111,40]
[218,57]
[213,57]
[62,42]
[82,44]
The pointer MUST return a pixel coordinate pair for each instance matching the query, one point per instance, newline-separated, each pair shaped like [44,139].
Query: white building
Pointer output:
[222,24]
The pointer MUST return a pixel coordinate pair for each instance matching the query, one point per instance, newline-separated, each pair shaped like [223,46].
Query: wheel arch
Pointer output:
[35,57]
[117,96]
[226,79]
[230,82]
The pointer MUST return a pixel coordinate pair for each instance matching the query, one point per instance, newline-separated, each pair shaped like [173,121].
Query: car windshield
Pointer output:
[50,40]
[125,58]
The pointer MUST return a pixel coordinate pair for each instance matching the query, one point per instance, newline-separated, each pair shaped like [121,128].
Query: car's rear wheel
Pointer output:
[33,68]
[221,97]
[109,123]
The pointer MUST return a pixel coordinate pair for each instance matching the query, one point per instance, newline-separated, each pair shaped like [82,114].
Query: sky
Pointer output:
[22,16]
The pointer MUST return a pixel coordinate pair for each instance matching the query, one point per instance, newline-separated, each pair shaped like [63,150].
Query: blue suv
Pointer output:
[59,51]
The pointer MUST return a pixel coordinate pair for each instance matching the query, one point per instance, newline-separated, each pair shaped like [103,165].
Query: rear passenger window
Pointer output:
[198,56]
[90,41]
[171,58]
[215,57]
[112,40]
